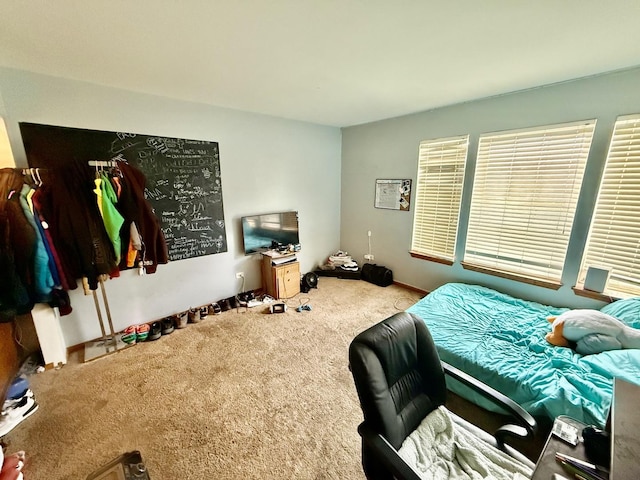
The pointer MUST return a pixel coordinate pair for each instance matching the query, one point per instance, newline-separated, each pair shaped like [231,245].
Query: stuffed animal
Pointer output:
[592,331]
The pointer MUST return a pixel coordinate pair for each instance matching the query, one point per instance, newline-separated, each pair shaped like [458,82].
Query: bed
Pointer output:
[499,339]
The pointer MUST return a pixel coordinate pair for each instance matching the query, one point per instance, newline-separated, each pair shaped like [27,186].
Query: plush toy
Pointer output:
[592,331]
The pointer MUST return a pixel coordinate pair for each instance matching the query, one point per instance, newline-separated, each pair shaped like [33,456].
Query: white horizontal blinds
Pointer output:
[437,205]
[614,239]
[524,197]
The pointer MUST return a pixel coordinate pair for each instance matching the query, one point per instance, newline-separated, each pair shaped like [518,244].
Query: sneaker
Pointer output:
[12,402]
[14,416]
[142,332]
[204,311]
[155,331]
[214,309]
[194,315]
[167,325]
[268,299]
[181,319]
[129,335]
[17,388]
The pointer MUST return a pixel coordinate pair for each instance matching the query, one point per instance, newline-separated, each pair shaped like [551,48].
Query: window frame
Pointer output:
[438,198]
[612,220]
[514,168]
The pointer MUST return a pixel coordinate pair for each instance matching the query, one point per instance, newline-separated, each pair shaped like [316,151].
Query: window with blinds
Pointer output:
[524,197]
[614,238]
[438,193]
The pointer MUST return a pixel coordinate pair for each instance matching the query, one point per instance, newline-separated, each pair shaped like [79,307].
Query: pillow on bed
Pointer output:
[626,310]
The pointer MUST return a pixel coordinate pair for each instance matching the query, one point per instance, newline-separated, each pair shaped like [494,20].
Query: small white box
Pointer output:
[596,279]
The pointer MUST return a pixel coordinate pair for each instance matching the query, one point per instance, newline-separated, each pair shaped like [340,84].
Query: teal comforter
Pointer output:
[499,339]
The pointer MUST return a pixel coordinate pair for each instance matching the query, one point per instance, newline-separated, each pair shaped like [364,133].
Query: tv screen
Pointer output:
[263,232]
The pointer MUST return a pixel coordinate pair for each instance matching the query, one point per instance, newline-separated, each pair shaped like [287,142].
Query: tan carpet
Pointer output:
[240,395]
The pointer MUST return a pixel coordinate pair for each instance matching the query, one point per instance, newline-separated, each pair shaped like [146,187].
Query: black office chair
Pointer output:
[400,379]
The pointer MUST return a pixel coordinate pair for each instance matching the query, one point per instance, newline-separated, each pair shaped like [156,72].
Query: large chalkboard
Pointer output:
[184,184]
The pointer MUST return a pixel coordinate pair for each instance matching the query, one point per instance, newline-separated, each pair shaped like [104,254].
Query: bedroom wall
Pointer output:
[389,149]
[268,164]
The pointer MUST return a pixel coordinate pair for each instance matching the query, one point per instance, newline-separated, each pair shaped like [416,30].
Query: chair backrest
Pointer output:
[398,375]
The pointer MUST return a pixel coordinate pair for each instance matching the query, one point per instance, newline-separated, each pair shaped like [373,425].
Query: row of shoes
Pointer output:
[18,406]
[149,332]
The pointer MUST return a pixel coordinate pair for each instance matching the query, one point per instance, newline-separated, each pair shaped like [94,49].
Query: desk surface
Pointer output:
[624,424]
[547,465]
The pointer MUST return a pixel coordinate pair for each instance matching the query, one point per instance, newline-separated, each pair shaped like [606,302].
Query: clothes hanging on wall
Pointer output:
[74,224]
[17,250]
[135,208]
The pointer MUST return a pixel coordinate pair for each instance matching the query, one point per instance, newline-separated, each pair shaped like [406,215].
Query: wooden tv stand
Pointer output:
[280,274]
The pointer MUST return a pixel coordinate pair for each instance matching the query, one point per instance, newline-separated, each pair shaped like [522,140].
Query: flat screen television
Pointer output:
[270,230]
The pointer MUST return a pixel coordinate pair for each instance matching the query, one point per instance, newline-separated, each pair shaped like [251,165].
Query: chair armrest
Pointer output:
[387,454]
[529,425]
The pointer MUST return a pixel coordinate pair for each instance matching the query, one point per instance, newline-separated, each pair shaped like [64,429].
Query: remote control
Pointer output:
[565,432]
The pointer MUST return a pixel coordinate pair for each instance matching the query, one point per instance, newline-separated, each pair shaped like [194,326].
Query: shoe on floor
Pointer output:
[14,416]
[214,309]
[12,402]
[129,335]
[181,319]
[167,325]
[155,331]
[194,315]
[142,332]
[17,388]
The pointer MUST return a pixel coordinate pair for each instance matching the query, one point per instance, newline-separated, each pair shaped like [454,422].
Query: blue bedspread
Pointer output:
[499,339]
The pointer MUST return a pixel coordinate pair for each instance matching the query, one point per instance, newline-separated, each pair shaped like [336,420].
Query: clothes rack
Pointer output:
[108,343]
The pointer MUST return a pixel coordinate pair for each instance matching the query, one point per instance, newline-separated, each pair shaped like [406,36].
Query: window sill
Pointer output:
[603,297]
[513,276]
[430,258]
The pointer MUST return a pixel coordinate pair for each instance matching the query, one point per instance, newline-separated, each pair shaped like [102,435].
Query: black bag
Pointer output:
[377,274]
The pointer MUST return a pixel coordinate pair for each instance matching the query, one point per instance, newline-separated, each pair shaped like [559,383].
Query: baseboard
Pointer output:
[412,288]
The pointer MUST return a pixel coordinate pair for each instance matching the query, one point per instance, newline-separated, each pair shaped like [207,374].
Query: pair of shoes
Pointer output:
[14,415]
[135,333]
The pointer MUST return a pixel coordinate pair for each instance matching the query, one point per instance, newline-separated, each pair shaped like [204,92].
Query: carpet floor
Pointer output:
[240,395]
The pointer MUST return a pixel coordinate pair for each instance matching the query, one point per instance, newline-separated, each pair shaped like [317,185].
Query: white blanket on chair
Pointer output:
[440,449]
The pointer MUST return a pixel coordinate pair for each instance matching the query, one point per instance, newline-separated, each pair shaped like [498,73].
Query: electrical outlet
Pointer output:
[240,275]
[369,257]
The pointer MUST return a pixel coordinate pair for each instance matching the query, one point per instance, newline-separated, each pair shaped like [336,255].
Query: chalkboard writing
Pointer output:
[184,184]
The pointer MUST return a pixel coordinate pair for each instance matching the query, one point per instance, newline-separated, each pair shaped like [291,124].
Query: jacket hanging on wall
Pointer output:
[135,208]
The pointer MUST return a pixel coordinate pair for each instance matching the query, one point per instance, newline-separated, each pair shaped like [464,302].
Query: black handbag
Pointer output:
[377,274]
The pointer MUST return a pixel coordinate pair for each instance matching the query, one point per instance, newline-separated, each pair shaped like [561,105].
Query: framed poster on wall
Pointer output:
[393,194]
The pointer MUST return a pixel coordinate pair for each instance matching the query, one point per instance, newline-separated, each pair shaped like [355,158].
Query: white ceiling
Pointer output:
[332,62]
